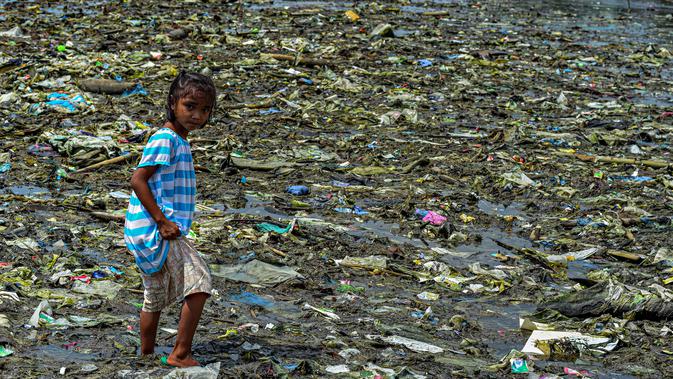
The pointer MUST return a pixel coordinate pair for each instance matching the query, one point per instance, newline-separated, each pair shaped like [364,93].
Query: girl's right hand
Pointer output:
[168,230]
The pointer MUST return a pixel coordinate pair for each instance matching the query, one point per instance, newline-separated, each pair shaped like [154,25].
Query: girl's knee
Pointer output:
[198,295]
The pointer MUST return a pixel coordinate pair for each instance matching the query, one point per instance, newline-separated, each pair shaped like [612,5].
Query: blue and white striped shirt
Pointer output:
[174,188]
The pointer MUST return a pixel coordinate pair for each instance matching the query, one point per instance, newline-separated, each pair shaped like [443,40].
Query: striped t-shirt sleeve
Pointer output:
[157,151]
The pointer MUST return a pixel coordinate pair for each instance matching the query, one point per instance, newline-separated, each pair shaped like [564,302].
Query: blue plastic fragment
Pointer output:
[337,183]
[587,221]
[636,179]
[250,298]
[417,314]
[421,212]
[65,101]
[355,210]
[265,227]
[291,366]
[115,271]
[269,111]
[359,211]
[583,221]
[247,257]
[298,190]
[555,142]
[557,180]
[61,104]
[424,62]
[136,90]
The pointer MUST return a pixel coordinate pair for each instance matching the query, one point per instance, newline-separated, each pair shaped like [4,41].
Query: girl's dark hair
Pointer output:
[186,83]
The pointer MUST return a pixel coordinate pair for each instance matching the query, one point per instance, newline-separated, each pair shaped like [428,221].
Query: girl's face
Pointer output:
[191,112]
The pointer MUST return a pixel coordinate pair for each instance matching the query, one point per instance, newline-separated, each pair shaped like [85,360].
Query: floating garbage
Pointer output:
[431,217]
[255,272]
[298,190]
[63,103]
[541,343]
[137,89]
[268,227]
[5,351]
[411,344]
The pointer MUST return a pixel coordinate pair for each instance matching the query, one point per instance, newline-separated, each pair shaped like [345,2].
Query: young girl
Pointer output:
[160,214]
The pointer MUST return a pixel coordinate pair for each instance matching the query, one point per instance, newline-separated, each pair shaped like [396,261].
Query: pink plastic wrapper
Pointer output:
[434,218]
[571,372]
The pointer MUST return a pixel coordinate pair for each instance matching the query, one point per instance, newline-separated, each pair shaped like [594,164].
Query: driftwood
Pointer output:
[616,160]
[56,203]
[107,86]
[411,166]
[625,255]
[252,164]
[107,216]
[653,303]
[264,104]
[108,162]
[301,60]
[436,13]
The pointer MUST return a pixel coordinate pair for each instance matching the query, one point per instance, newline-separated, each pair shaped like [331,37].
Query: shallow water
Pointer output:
[28,191]
[495,209]
[58,354]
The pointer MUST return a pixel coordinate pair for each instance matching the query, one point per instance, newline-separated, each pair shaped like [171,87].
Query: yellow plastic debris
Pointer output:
[352,16]
[466,219]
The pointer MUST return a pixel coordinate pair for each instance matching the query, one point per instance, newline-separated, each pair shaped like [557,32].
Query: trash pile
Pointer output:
[405,189]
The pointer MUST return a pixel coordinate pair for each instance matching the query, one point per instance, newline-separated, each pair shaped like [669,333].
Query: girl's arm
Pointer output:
[168,229]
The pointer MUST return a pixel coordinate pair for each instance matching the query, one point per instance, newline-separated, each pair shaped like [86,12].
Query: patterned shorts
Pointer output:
[184,273]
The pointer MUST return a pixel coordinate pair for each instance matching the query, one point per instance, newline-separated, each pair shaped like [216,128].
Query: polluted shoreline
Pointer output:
[404,189]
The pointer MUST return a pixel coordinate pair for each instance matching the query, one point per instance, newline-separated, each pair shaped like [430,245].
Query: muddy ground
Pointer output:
[530,130]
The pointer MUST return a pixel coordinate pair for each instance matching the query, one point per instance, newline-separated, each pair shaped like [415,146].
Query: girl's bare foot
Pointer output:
[188,361]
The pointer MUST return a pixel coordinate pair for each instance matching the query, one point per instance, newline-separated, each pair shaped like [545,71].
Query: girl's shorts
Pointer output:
[184,273]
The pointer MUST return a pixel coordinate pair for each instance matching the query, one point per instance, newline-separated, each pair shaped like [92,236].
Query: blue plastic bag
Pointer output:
[298,190]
